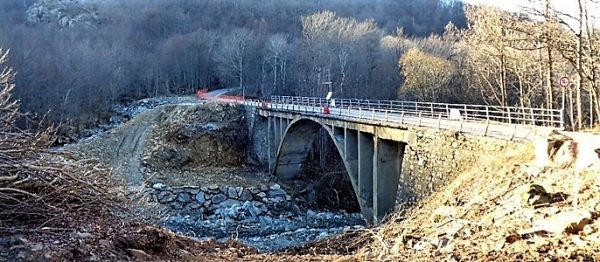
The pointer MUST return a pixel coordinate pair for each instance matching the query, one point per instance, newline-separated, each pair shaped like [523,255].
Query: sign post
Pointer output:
[564,82]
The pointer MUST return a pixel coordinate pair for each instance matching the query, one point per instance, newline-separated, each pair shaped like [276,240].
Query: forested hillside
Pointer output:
[76,58]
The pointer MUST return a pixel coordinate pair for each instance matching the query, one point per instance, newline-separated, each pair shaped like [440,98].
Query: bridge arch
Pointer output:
[294,147]
[295,144]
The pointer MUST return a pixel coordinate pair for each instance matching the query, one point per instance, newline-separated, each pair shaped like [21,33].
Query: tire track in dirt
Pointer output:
[131,147]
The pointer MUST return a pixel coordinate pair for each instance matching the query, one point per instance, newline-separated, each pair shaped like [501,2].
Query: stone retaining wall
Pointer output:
[238,203]
[439,156]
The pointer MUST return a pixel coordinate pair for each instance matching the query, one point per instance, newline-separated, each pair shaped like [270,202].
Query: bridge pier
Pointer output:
[351,155]
[387,165]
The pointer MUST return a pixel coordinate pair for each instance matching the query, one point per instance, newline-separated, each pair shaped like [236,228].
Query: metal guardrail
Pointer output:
[460,112]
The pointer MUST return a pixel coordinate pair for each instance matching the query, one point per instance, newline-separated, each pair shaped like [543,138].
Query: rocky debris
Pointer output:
[264,217]
[571,222]
[210,135]
[64,13]
[139,254]
[122,113]
[536,195]
[568,149]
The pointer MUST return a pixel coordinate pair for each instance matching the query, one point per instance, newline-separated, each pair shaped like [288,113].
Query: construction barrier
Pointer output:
[264,104]
[203,94]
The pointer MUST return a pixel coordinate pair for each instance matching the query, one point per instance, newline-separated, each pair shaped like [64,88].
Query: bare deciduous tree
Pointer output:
[232,54]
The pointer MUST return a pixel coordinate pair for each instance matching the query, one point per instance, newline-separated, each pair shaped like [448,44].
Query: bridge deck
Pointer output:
[389,118]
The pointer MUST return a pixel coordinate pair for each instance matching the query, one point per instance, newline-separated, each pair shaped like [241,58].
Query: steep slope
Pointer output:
[505,208]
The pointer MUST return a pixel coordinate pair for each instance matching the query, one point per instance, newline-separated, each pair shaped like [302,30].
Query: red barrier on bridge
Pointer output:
[203,94]
[326,110]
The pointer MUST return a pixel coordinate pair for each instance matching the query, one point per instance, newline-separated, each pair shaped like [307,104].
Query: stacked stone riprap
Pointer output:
[237,203]
[264,216]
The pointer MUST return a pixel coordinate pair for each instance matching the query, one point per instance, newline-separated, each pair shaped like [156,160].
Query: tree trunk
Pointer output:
[550,66]
[580,68]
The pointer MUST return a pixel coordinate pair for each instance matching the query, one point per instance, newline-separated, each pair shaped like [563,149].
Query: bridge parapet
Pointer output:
[476,113]
[492,121]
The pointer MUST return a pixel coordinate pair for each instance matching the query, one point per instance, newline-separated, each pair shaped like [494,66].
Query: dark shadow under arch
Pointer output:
[295,146]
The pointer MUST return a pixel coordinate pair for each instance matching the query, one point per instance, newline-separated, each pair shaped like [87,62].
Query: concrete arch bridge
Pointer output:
[371,136]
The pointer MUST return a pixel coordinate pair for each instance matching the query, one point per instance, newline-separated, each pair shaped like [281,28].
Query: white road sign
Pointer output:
[565,81]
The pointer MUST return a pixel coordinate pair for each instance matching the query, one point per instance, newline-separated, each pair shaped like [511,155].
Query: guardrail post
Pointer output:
[509,117]
[402,106]
[562,119]
[386,115]
[420,114]
[487,127]
[373,114]
[440,122]
[487,113]
[432,114]
[402,118]
[359,112]
[447,111]
[532,117]
[466,114]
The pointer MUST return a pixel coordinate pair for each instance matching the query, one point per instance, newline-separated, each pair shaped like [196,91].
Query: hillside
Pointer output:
[505,208]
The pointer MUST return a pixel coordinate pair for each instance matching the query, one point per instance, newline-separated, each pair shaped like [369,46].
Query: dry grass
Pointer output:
[595,130]
[474,217]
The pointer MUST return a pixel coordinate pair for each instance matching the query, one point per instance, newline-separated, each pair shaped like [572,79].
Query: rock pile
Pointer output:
[265,217]
[214,202]
[64,13]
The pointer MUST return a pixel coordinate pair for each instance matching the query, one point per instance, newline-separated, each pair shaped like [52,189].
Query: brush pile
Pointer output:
[39,185]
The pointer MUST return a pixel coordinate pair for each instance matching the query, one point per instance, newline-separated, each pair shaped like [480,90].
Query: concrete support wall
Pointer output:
[365,174]
[293,150]
[258,151]
[270,145]
[387,166]
[351,156]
